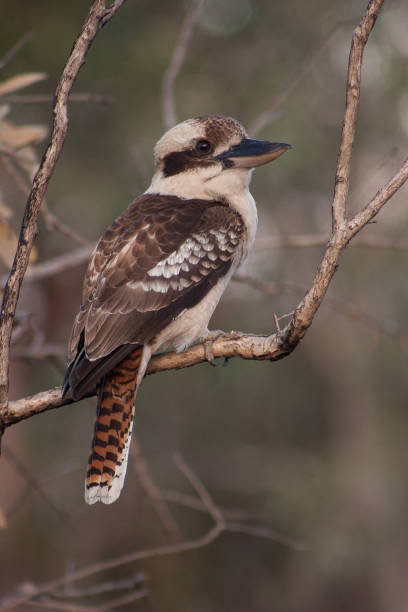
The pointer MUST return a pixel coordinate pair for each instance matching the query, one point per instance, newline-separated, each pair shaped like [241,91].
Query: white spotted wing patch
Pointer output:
[195,259]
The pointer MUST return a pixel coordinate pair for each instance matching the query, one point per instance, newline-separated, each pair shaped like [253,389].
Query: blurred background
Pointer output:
[313,447]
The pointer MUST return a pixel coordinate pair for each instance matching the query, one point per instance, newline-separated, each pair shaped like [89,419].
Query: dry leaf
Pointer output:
[17,136]
[20,81]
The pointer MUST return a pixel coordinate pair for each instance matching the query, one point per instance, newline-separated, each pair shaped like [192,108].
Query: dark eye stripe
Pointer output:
[177,162]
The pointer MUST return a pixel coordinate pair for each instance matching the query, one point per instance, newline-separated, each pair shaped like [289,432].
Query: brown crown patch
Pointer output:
[220,130]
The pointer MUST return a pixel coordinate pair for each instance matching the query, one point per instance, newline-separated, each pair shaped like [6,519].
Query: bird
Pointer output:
[156,275]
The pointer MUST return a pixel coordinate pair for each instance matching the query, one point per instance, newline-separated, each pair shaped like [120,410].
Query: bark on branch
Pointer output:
[282,343]
[98,15]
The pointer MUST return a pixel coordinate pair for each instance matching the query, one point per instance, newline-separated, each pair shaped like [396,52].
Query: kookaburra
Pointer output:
[157,274]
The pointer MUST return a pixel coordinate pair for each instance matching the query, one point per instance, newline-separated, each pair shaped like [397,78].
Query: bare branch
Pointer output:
[39,593]
[308,307]
[176,63]
[160,551]
[281,344]
[351,311]
[56,265]
[97,16]
[381,197]
[133,581]
[200,489]
[358,43]
[230,345]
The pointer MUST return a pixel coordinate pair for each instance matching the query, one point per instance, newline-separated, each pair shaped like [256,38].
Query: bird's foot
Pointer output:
[208,341]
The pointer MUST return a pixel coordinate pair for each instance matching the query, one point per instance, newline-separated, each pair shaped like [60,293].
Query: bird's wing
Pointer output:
[160,256]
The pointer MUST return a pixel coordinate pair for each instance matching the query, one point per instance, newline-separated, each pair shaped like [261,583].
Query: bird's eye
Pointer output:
[203,146]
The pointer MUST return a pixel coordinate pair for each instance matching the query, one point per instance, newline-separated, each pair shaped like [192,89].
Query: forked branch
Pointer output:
[282,343]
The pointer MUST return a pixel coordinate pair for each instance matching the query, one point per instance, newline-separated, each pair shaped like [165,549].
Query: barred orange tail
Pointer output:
[113,430]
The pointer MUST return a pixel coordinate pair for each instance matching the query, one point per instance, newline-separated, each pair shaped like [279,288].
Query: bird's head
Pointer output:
[209,157]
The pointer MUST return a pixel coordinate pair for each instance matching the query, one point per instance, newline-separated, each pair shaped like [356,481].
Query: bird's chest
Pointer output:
[192,324]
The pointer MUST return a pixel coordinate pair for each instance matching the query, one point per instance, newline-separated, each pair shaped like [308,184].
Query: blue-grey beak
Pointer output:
[250,153]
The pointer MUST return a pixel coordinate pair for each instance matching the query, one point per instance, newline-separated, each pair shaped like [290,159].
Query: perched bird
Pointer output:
[157,274]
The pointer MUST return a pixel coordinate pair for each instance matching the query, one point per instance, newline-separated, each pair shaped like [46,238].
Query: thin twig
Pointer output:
[51,220]
[13,174]
[212,508]
[152,492]
[305,68]
[160,551]
[317,240]
[176,63]
[220,526]
[351,311]
[34,483]
[97,16]
[374,206]
[64,606]
[111,11]
[264,532]
[133,581]
[113,604]
[56,265]
[54,223]
[12,52]
[342,179]
[190,501]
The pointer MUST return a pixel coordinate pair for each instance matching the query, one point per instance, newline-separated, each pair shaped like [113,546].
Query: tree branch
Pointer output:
[220,525]
[281,344]
[98,15]
[358,43]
